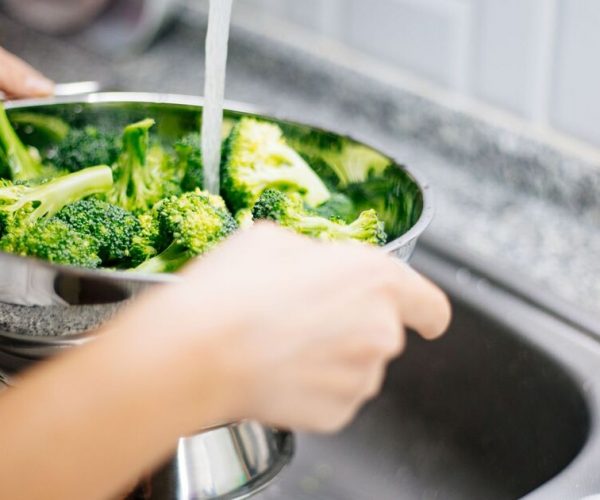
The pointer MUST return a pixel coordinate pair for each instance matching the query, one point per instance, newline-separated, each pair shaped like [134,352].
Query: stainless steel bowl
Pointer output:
[41,302]
[234,461]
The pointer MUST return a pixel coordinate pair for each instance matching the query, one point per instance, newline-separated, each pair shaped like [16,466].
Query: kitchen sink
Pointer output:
[503,407]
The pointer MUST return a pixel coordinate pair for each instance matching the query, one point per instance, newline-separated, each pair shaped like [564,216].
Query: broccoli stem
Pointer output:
[172,259]
[133,180]
[52,196]
[327,229]
[136,138]
[20,163]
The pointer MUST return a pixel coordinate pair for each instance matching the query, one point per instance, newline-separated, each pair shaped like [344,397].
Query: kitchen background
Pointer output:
[533,58]
[494,100]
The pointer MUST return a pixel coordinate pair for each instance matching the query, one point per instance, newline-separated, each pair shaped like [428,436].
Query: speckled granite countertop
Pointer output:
[501,196]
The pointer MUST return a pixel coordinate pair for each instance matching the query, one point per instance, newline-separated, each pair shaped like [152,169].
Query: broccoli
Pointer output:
[24,203]
[190,224]
[146,211]
[143,173]
[82,148]
[288,210]
[111,227]
[147,241]
[16,159]
[256,157]
[189,159]
[52,240]
[28,225]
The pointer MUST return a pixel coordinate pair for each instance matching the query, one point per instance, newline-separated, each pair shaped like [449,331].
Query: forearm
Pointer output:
[116,403]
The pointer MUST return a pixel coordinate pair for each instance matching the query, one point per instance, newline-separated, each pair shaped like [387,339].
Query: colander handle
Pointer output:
[71,89]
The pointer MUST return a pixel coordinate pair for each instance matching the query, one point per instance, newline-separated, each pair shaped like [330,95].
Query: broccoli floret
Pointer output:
[190,225]
[111,227]
[26,204]
[17,160]
[82,148]
[288,210]
[52,240]
[147,241]
[143,173]
[30,228]
[256,157]
[189,160]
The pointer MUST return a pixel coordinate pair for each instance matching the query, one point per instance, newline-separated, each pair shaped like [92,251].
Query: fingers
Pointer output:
[18,79]
[381,338]
[422,305]
[330,400]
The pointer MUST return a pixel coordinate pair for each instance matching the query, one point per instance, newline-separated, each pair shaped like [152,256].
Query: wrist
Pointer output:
[186,374]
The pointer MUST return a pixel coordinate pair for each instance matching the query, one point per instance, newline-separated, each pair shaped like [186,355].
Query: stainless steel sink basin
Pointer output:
[504,406]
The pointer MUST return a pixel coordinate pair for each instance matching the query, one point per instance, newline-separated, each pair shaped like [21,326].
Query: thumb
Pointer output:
[19,79]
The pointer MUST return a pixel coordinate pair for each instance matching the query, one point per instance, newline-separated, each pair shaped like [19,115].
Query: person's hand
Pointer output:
[18,79]
[269,326]
[293,332]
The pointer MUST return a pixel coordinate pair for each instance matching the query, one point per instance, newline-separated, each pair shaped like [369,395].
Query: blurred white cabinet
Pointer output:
[429,37]
[534,58]
[512,45]
[575,103]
